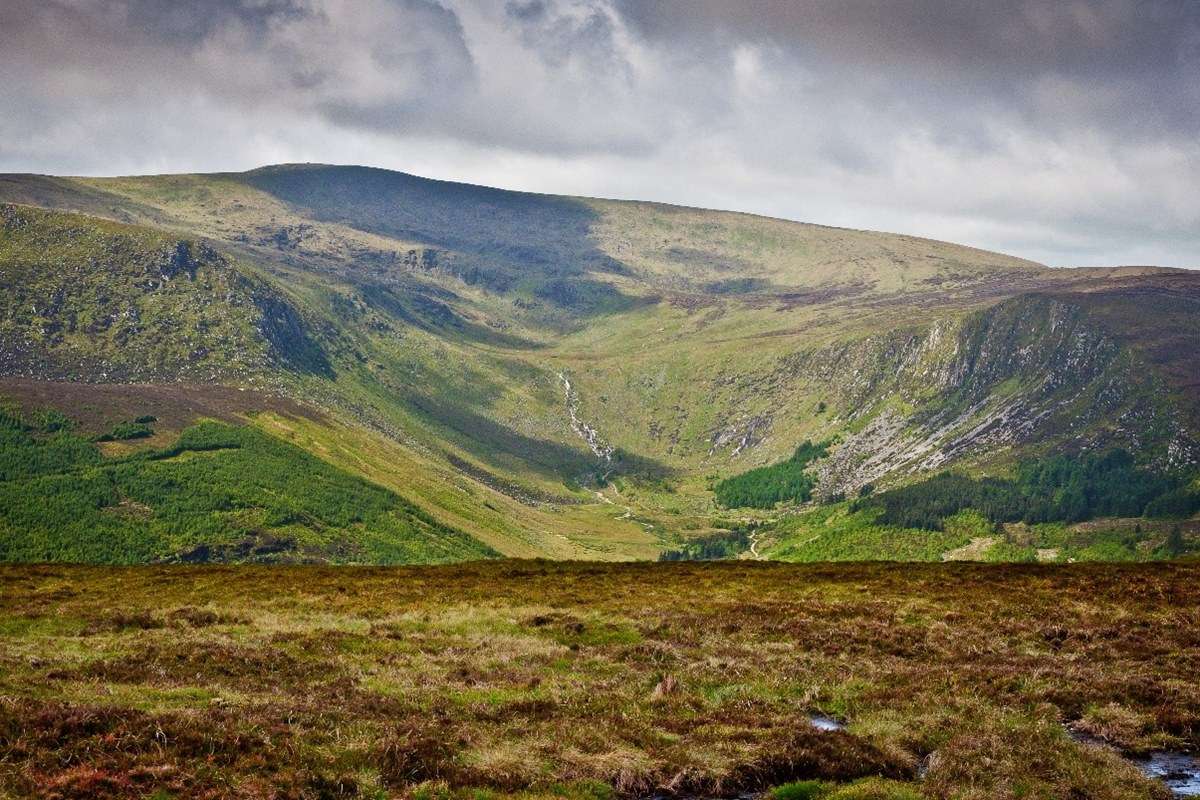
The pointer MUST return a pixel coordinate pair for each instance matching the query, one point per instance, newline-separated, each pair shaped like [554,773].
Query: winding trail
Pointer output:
[754,545]
[628,511]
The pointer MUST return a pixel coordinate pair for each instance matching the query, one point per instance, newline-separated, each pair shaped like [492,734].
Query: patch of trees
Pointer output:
[124,431]
[787,481]
[61,500]
[40,445]
[1057,489]
[713,547]
[1180,503]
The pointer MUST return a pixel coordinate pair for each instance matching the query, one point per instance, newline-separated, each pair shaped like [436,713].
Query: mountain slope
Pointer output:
[83,296]
[589,367]
[217,493]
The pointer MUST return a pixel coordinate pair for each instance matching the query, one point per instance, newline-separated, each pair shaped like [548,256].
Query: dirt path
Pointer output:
[754,546]
[628,510]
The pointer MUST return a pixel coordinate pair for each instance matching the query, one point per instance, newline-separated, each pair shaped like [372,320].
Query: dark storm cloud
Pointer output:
[76,30]
[188,24]
[1065,130]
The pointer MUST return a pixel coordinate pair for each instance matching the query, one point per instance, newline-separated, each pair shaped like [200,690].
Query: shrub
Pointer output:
[1175,545]
[124,431]
[723,544]
[1178,504]
[876,789]
[50,420]
[801,790]
[10,418]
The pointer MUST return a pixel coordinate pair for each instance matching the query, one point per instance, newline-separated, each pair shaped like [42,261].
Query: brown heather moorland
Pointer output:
[536,679]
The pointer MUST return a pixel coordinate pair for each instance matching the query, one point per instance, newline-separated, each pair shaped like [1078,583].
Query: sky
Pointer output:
[1066,131]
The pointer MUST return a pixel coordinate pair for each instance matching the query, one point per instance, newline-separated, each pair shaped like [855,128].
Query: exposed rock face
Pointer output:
[423,259]
[740,435]
[178,260]
[281,325]
[80,300]
[1031,370]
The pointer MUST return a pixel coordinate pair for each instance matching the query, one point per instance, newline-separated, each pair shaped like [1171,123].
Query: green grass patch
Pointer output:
[801,790]
[839,533]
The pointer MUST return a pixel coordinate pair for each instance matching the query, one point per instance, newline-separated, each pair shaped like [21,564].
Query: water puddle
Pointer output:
[1180,772]
[824,723]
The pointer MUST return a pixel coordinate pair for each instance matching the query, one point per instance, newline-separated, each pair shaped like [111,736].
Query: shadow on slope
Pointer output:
[66,194]
[504,240]
[429,308]
[498,445]
[1157,316]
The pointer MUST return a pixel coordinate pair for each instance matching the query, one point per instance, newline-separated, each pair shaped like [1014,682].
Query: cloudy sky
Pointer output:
[1067,131]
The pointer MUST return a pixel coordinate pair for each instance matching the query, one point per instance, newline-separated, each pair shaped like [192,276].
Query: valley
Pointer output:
[512,364]
[599,400]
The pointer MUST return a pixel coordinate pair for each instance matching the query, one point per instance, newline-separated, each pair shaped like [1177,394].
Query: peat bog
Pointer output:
[539,679]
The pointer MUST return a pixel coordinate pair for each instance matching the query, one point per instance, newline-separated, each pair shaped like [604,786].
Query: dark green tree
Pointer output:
[1174,544]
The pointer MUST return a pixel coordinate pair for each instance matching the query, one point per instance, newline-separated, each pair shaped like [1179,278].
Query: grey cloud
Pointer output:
[525,10]
[1142,54]
[1024,36]
[562,37]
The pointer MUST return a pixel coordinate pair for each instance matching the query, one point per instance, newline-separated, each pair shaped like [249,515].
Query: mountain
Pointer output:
[571,377]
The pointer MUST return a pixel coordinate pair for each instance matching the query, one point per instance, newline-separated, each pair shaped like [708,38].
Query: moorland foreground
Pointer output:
[533,678]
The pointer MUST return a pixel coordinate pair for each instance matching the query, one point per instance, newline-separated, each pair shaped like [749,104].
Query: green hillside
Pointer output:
[574,377]
[82,298]
[218,493]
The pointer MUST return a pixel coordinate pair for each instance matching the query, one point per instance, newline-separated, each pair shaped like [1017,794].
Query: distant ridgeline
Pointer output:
[219,493]
[1057,489]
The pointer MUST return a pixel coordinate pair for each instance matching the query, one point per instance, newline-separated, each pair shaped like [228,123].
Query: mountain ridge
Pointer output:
[1115,269]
